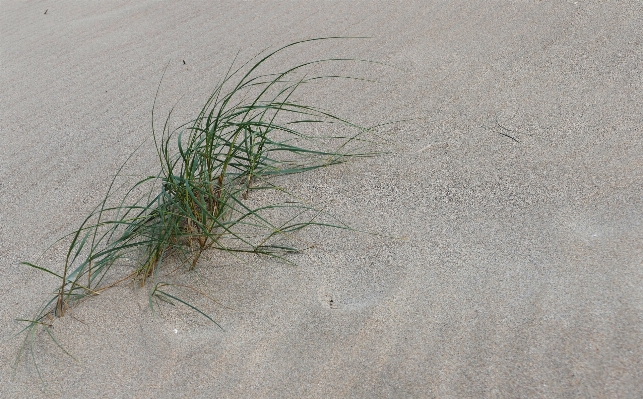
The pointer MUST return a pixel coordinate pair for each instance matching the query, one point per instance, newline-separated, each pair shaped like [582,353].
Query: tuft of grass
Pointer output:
[248,131]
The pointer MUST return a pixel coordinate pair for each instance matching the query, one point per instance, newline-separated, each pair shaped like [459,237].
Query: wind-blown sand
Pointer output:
[514,268]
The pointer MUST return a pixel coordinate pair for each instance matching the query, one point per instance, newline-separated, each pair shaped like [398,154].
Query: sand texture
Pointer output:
[507,259]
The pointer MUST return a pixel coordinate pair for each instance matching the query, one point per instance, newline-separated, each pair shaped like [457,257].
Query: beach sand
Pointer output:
[507,259]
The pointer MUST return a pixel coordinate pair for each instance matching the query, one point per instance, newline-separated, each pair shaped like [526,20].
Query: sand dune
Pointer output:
[510,212]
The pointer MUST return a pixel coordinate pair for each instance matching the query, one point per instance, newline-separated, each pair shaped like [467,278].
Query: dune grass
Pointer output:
[248,131]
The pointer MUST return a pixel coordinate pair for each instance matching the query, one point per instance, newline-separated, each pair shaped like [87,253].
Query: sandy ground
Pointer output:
[513,268]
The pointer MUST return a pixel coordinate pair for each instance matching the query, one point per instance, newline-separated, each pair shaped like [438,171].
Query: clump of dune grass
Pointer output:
[248,131]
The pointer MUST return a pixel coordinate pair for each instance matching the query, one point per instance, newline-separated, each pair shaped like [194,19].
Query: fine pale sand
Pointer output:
[500,267]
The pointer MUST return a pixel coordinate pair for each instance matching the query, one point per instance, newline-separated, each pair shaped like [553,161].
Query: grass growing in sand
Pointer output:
[249,130]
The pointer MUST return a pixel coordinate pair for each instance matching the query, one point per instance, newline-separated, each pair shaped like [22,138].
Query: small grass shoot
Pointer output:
[249,130]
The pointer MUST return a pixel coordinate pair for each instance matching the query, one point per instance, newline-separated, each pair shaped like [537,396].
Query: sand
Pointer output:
[502,266]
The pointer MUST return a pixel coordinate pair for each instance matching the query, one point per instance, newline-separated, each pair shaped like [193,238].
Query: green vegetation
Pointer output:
[249,130]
